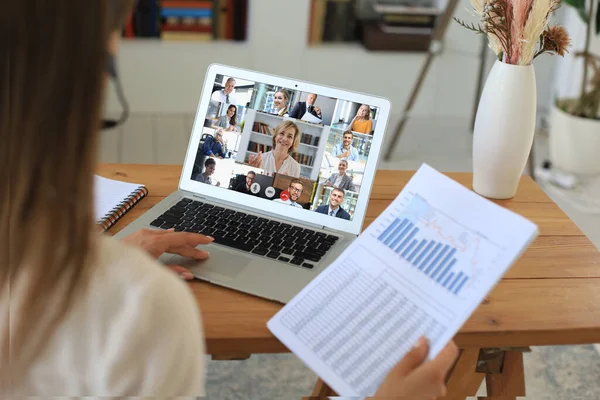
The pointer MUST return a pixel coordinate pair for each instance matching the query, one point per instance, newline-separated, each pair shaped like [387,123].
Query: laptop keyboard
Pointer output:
[261,236]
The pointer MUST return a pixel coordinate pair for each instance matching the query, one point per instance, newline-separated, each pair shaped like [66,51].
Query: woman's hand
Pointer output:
[412,378]
[158,242]
[256,160]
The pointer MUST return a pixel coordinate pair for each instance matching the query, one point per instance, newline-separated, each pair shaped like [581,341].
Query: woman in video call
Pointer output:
[229,120]
[113,321]
[280,102]
[362,120]
[286,138]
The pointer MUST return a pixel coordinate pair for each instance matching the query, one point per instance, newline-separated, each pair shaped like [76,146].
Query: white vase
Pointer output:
[574,143]
[504,129]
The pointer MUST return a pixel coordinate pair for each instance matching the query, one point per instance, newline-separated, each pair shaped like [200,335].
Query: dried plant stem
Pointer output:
[586,50]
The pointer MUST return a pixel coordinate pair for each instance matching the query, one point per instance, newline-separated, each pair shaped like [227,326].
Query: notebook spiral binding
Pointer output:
[116,213]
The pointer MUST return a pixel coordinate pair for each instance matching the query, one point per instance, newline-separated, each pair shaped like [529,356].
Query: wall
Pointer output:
[167,77]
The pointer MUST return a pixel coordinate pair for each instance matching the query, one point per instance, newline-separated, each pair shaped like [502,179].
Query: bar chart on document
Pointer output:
[433,243]
[421,268]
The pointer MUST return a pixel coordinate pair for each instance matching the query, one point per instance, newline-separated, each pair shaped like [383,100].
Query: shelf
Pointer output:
[297,121]
[268,136]
[309,145]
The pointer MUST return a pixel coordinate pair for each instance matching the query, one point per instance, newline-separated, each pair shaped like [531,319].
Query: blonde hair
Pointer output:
[50,115]
[283,126]
[285,94]
[368,117]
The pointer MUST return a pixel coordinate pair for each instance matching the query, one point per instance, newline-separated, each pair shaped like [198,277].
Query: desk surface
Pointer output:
[550,296]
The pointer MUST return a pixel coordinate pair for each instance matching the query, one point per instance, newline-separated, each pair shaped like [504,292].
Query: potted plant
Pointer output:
[518,32]
[575,122]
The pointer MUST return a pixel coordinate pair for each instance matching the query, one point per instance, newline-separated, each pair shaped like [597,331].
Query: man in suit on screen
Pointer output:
[302,107]
[341,180]
[333,209]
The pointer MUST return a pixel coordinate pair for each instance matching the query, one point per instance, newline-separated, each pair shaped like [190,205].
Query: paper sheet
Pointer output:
[421,268]
[109,193]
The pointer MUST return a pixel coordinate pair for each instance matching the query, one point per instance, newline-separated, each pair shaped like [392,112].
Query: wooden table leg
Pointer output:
[504,372]
[463,379]
[321,391]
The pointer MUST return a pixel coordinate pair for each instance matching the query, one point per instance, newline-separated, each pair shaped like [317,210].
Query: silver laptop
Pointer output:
[279,171]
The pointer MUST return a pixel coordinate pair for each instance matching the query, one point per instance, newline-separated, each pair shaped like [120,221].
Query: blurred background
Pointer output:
[347,44]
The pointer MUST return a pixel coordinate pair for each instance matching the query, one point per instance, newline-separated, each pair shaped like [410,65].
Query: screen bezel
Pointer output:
[281,210]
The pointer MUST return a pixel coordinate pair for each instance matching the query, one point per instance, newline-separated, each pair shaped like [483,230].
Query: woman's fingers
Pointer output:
[440,365]
[182,272]
[412,359]
[165,243]
[432,374]
[256,160]
[176,239]
[189,251]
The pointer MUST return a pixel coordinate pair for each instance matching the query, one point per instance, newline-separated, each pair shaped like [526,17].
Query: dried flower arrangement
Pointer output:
[518,30]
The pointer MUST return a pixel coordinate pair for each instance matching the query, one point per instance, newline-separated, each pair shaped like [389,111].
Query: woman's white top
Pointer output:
[290,167]
[135,331]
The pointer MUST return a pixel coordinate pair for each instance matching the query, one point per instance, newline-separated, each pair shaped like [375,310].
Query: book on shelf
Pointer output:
[258,147]
[332,21]
[261,127]
[303,159]
[407,7]
[213,19]
[309,139]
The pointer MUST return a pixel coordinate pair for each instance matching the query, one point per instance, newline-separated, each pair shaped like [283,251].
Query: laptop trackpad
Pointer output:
[220,265]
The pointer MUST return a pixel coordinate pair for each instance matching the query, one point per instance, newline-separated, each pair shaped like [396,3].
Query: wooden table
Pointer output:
[551,296]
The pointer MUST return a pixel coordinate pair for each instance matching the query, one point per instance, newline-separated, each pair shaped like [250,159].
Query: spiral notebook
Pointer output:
[113,199]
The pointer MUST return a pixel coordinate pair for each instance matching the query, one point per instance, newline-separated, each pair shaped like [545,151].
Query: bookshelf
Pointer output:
[188,20]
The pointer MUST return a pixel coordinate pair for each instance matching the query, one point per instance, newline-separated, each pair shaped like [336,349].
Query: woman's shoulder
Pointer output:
[126,271]
[145,315]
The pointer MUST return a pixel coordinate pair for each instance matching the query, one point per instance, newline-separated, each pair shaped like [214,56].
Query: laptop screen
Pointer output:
[284,145]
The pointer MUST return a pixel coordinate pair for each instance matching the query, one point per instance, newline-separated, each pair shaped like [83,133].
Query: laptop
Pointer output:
[283,197]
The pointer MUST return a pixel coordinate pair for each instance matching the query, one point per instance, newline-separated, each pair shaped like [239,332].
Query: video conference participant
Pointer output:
[210,165]
[229,120]
[333,208]
[213,146]
[302,107]
[244,187]
[341,180]
[295,189]
[362,120]
[280,101]
[345,150]
[227,94]
[286,138]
